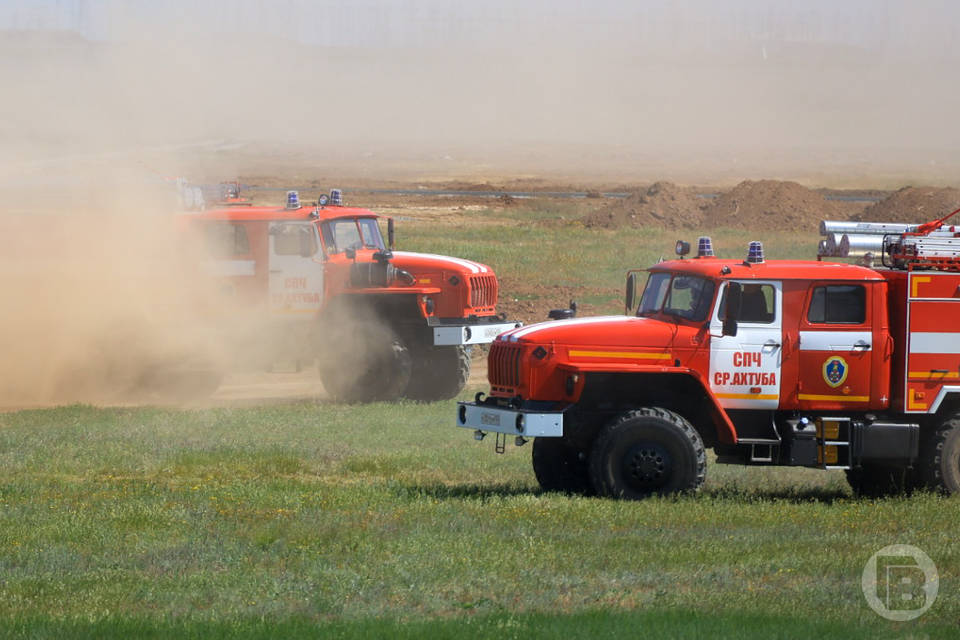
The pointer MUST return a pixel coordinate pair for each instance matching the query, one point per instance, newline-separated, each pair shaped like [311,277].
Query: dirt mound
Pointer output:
[912,204]
[770,204]
[663,205]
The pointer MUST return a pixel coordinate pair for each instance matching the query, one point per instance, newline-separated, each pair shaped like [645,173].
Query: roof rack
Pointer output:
[930,245]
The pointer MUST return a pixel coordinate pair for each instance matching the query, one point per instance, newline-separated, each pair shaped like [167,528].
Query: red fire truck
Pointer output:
[382,324]
[808,363]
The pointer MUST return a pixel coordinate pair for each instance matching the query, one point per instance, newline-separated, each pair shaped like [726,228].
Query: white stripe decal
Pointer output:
[934,342]
[835,340]
[513,336]
[475,267]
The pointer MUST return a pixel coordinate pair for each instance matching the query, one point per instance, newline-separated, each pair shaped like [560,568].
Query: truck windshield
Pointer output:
[352,233]
[678,295]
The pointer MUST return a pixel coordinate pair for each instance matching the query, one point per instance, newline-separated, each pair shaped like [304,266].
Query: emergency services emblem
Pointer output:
[835,371]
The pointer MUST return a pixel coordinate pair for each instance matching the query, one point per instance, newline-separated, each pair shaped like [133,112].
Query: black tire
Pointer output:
[377,367]
[439,373]
[649,451]
[940,459]
[561,466]
[873,481]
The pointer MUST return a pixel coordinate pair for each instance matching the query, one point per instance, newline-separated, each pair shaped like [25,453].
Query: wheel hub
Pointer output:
[648,466]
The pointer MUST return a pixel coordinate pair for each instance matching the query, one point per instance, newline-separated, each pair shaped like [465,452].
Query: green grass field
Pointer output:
[386,520]
[335,521]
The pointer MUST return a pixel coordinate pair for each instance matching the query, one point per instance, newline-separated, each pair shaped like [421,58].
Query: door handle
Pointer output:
[773,344]
[861,345]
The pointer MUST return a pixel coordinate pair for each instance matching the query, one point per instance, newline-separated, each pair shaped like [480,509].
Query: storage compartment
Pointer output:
[887,442]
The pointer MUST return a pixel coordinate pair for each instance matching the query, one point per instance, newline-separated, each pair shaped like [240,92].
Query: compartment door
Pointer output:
[836,348]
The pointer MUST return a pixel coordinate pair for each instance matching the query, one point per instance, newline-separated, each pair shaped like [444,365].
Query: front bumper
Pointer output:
[527,423]
[449,335]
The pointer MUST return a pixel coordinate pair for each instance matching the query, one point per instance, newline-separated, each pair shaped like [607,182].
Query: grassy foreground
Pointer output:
[385,520]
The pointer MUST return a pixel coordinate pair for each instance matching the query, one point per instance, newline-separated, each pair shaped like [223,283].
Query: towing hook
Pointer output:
[479,397]
[479,435]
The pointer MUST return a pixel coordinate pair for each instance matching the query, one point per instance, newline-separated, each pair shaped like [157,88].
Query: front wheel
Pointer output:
[649,451]
[375,366]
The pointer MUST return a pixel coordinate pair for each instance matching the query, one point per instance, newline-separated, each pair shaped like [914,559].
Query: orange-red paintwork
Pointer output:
[875,371]
[459,288]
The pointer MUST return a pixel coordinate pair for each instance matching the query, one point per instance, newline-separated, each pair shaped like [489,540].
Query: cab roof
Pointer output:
[248,214]
[769,270]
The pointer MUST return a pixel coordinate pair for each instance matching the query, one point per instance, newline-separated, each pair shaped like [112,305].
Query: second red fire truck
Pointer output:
[319,282]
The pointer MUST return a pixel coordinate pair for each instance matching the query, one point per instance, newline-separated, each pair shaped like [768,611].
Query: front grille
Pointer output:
[503,364]
[483,291]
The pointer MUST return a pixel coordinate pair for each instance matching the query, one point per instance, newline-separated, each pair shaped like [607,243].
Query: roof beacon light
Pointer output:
[293,200]
[704,247]
[336,197]
[755,253]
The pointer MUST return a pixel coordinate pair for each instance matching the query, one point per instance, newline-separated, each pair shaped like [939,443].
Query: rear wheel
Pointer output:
[649,451]
[941,457]
[439,373]
[561,466]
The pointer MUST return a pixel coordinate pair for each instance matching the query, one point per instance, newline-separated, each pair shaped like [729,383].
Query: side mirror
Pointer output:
[631,293]
[732,312]
[390,234]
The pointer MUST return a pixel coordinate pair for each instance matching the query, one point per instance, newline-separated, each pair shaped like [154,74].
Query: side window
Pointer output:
[294,240]
[225,240]
[838,304]
[757,304]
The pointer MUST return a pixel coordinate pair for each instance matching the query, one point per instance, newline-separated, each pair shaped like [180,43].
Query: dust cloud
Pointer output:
[91,125]
[98,304]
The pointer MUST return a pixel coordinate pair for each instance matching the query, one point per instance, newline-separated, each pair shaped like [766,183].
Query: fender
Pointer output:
[725,429]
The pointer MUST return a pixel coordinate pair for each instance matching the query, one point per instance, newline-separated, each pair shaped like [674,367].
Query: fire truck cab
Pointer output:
[320,282]
[805,363]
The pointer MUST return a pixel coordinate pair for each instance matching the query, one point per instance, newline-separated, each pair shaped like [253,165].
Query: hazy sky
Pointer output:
[684,77]
[925,24]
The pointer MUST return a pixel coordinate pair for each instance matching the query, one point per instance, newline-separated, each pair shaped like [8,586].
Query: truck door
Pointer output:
[296,268]
[745,368]
[836,347]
